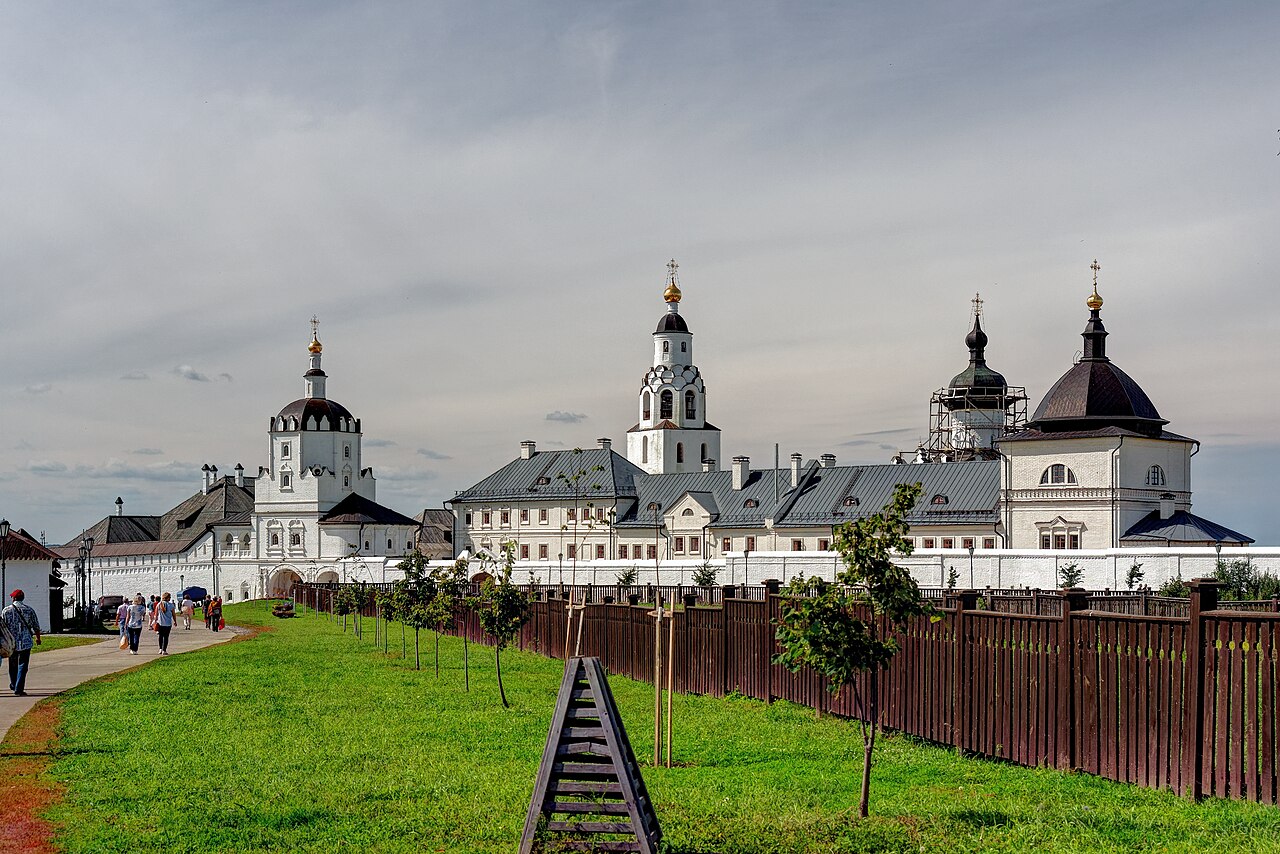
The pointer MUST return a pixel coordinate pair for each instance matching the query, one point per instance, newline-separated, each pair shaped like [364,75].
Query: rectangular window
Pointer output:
[542,515]
[988,542]
[600,514]
[1045,542]
[1074,541]
[797,545]
[751,544]
[467,519]
[572,514]
[651,552]
[524,552]
[824,545]
[679,545]
[573,551]
[542,551]
[599,552]
[726,544]
[948,542]
[486,518]
[1059,541]
[622,552]
[694,545]
[967,543]
[506,518]
[524,516]
[929,543]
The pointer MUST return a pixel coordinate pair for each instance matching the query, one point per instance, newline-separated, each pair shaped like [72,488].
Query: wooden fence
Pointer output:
[1183,702]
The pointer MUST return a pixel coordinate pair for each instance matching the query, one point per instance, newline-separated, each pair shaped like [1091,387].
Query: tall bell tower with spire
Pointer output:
[673,434]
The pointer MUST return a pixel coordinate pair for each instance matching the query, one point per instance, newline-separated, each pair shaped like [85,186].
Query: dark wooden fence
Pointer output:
[1073,681]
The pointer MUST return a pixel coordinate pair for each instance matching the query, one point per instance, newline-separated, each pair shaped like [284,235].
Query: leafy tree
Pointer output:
[344,602]
[503,609]
[953,575]
[705,575]
[388,607]
[450,584]
[628,576]
[1242,580]
[419,616]
[1175,587]
[841,630]
[1134,576]
[578,482]
[1071,575]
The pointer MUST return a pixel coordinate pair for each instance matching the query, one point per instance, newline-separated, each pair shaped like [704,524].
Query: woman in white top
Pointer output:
[136,620]
[163,620]
[188,610]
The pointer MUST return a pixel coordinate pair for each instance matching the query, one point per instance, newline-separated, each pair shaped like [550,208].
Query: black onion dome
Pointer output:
[977,386]
[306,408]
[1095,393]
[671,322]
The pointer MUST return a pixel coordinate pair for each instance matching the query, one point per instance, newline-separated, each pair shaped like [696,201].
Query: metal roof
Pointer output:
[1031,434]
[536,477]
[355,509]
[1181,527]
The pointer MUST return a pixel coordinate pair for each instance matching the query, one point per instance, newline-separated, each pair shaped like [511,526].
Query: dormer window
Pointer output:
[851,502]
[1155,476]
[1058,475]
[939,499]
[751,502]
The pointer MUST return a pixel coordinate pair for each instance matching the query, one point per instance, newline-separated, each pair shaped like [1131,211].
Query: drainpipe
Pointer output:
[1115,495]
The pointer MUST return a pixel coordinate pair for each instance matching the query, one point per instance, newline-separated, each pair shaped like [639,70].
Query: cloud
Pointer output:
[38,388]
[378,443]
[190,373]
[24,445]
[409,473]
[136,375]
[148,452]
[169,470]
[225,376]
[566,417]
[433,455]
[46,467]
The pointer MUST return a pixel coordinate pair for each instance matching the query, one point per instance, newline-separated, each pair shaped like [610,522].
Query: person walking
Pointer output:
[188,610]
[163,620]
[208,606]
[122,619]
[215,614]
[24,625]
[136,619]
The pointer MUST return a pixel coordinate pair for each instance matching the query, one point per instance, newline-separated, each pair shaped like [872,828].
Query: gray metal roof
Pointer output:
[1181,527]
[971,491]
[536,477]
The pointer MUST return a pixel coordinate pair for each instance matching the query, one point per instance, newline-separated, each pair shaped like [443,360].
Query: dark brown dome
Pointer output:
[306,408]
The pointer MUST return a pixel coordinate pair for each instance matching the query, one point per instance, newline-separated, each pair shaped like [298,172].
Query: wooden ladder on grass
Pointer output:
[589,795]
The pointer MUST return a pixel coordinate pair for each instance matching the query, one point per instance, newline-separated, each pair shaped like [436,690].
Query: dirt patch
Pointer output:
[26,792]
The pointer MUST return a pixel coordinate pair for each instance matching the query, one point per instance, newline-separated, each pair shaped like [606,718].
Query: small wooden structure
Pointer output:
[589,795]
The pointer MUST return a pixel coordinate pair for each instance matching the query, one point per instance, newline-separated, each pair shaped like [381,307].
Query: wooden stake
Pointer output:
[582,618]
[568,624]
[657,684]
[671,669]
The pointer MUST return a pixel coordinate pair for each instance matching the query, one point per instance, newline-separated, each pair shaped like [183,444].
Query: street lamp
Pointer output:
[81,602]
[971,567]
[87,545]
[657,576]
[4,541]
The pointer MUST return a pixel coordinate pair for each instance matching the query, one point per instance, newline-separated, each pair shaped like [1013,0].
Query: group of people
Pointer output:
[161,614]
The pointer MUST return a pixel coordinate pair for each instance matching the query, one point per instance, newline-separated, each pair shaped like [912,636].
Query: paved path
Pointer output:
[60,669]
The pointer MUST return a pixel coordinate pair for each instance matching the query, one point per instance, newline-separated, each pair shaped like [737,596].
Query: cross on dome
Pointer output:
[1094,301]
[315,346]
[672,293]
[977,305]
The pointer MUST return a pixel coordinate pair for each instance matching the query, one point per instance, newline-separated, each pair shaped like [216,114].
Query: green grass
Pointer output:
[48,643]
[304,739]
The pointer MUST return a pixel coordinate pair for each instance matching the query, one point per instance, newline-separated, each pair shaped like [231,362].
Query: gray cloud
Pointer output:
[190,373]
[225,376]
[38,388]
[135,375]
[148,452]
[46,467]
[378,443]
[433,455]
[566,417]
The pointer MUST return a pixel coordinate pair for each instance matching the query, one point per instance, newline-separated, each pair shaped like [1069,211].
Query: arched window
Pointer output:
[1058,475]
[275,539]
[939,499]
[244,541]
[644,449]
[389,547]
[229,541]
[1155,476]
[666,346]
[684,347]
[284,451]
[679,452]
[346,452]
[295,539]
[851,501]
[666,403]
[690,405]
[751,502]
[648,409]
[688,511]
[346,481]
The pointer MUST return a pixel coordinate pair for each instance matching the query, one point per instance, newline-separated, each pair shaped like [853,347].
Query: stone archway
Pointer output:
[481,578]
[329,576]
[282,581]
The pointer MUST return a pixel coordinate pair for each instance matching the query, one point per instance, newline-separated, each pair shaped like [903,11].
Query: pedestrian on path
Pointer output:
[208,607]
[188,611]
[122,618]
[164,622]
[136,619]
[24,625]
[215,614]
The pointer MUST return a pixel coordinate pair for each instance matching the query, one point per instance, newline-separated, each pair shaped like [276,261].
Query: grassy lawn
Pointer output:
[48,643]
[303,739]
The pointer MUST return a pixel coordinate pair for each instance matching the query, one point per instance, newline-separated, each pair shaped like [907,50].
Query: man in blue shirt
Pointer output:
[24,625]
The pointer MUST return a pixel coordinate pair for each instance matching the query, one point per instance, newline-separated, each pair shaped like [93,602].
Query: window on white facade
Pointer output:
[679,452]
[599,552]
[622,552]
[797,545]
[703,456]
[751,544]
[726,544]
[346,452]
[542,551]
[1058,475]
[988,542]
[1155,476]
[284,451]
[524,516]
[684,346]
[666,346]
[948,543]
[542,515]
[275,539]
[524,552]
[648,409]
[688,511]
[644,449]
[295,539]
[666,404]
[679,545]
[690,405]
[286,481]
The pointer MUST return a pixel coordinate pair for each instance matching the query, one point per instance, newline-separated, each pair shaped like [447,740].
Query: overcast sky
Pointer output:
[479,201]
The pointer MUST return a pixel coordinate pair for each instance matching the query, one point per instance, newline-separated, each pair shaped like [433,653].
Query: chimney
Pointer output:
[204,489]
[827,461]
[606,444]
[797,460]
[119,506]
[708,465]
[528,449]
[741,471]
[239,475]
[1166,505]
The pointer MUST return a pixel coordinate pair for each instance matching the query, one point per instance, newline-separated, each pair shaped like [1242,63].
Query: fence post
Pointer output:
[1204,597]
[1073,599]
[964,600]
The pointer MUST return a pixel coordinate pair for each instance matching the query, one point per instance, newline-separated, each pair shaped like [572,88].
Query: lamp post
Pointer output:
[4,542]
[971,568]
[81,604]
[87,544]
[82,561]
[182,586]
[657,575]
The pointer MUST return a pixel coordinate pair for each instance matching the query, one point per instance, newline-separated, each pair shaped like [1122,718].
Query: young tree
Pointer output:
[578,482]
[503,609]
[1071,575]
[953,575]
[705,575]
[387,603]
[1134,576]
[344,602]
[842,629]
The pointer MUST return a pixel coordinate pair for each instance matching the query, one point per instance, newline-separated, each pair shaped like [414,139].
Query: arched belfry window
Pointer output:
[1155,476]
[666,404]
[644,449]
[1058,475]
[666,346]
[679,452]
[690,405]
[684,346]
[647,403]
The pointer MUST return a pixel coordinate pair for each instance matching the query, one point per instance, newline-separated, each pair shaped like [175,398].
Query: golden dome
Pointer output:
[1094,301]
[672,293]
[314,346]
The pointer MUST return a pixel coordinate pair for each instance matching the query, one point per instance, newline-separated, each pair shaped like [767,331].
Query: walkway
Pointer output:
[61,669]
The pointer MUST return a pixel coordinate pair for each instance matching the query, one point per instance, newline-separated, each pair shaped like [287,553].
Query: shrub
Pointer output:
[1071,575]
[705,575]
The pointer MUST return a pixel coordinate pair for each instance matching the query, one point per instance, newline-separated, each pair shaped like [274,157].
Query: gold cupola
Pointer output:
[672,293]
[1094,301]
[315,346]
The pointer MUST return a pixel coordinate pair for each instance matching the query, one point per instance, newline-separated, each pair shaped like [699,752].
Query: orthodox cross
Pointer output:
[672,266]
[1095,267]
[315,325]
[977,305]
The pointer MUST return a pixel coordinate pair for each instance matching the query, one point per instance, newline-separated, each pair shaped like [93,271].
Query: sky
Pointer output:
[479,200]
